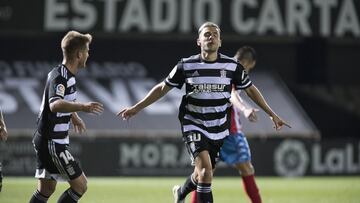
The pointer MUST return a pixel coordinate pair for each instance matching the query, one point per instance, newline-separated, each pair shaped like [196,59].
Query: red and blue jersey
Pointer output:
[235,125]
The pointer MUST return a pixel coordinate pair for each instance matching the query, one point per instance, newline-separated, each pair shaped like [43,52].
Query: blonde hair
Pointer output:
[208,24]
[74,41]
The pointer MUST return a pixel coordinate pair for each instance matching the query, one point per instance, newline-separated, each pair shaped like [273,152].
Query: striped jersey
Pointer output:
[205,107]
[60,84]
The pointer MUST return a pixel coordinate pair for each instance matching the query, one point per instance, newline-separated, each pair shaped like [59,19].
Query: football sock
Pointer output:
[204,193]
[69,196]
[189,185]
[251,188]
[194,197]
[38,198]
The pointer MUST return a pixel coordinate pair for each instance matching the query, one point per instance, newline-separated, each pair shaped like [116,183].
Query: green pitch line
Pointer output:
[229,189]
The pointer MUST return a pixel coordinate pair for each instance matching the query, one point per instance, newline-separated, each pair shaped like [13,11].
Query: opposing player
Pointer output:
[204,109]
[58,110]
[3,137]
[235,150]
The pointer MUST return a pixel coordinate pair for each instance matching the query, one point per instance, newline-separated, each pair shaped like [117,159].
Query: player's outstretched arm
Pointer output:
[257,97]
[249,112]
[64,106]
[155,94]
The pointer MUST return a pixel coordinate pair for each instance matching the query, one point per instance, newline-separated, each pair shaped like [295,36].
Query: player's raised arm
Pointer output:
[64,106]
[249,112]
[155,94]
[257,97]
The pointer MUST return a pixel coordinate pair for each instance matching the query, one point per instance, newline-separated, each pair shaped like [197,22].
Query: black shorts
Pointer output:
[196,142]
[54,161]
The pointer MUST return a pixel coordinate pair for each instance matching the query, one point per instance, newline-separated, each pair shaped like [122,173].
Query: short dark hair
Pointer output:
[74,41]
[208,24]
[246,52]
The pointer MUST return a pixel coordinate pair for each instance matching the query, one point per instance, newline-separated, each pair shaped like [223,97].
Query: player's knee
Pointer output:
[47,189]
[246,169]
[195,176]
[80,188]
[205,174]
[50,191]
[83,188]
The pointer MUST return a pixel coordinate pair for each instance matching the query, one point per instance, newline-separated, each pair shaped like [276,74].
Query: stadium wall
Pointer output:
[167,156]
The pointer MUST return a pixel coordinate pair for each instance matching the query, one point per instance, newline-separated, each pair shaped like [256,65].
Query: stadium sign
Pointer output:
[160,158]
[144,155]
[336,18]
[293,158]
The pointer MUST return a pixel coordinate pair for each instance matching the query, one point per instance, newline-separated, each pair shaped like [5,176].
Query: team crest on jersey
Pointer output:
[223,73]
[60,90]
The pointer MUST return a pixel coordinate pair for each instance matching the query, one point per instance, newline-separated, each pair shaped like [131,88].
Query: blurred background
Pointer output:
[308,69]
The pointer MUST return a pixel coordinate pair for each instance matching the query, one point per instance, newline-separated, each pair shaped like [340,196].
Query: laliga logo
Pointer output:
[291,158]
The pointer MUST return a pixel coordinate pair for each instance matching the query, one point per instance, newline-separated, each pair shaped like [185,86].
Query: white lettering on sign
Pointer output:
[152,155]
[167,21]
[292,158]
[298,17]
[261,17]
[325,15]
[240,24]
[347,21]
[335,160]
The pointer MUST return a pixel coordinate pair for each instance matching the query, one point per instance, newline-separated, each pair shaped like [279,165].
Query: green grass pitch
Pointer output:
[225,190]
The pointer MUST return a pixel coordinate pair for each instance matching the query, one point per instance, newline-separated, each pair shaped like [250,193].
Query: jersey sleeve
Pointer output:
[57,87]
[176,77]
[241,78]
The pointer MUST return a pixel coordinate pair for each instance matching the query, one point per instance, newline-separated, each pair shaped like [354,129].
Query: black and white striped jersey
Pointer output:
[205,107]
[60,84]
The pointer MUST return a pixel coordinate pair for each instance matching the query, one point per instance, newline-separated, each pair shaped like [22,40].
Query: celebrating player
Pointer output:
[58,110]
[203,112]
[235,150]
